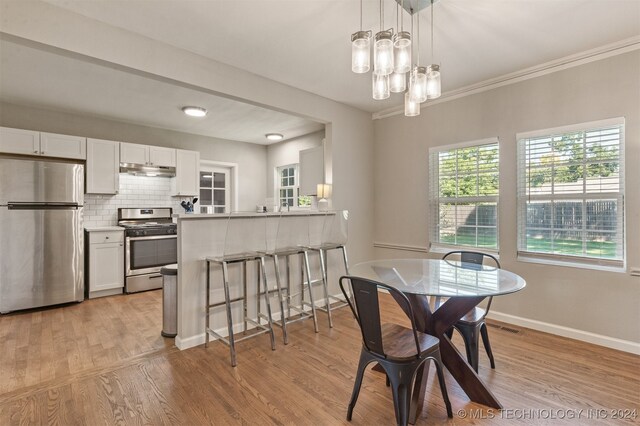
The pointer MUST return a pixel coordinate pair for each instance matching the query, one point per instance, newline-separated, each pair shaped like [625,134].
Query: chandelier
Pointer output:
[392,58]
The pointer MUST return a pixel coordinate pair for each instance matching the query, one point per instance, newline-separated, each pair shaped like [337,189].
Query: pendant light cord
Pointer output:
[381,17]
[402,15]
[361,15]
[418,33]
[433,53]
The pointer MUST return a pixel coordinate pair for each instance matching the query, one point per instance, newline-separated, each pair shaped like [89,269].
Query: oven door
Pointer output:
[145,255]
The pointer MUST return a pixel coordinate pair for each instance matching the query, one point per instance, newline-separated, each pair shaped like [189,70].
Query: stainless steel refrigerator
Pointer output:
[41,233]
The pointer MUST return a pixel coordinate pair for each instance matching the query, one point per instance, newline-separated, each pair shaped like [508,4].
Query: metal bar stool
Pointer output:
[333,237]
[245,241]
[292,239]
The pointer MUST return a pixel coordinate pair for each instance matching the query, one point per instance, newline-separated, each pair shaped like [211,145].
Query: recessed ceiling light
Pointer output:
[274,136]
[194,111]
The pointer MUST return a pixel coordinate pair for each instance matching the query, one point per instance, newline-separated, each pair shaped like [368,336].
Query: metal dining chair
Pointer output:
[473,324]
[399,350]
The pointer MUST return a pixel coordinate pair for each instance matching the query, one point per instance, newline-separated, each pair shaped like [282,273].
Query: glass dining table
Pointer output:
[464,285]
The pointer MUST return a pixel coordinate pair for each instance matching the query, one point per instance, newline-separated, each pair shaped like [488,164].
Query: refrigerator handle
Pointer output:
[42,206]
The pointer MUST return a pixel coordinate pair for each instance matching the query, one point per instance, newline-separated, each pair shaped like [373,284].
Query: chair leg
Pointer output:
[487,345]
[443,385]
[471,338]
[449,333]
[307,270]
[401,380]
[227,299]
[362,365]
[283,318]
[325,284]
[263,271]
[207,310]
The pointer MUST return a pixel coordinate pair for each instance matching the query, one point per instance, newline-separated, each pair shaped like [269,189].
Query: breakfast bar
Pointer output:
[206,235]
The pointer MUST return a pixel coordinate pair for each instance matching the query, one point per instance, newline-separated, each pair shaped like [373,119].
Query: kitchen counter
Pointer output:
[203,235]
[103,228]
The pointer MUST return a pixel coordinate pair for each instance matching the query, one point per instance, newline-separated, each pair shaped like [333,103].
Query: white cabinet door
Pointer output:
[187,173]
[103,166]
[134,153]
[311,170]
[18,141]
[63,146]
[162,156]
[106,267]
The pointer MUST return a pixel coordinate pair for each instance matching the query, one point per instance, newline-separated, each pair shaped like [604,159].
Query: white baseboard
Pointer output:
[572,333]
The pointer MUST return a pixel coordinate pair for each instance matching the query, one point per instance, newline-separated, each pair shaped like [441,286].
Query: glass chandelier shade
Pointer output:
[402,52]
[398,82]
[360,52]
[380,86]
[411,109]
[383,53]
[433,81]
[418,85]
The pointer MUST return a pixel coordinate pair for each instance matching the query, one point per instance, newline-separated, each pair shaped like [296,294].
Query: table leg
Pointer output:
[436,324]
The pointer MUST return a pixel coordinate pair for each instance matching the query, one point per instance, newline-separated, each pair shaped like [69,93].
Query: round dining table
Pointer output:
[464,285]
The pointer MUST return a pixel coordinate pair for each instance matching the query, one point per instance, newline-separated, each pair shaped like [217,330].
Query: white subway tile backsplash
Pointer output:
[135,191]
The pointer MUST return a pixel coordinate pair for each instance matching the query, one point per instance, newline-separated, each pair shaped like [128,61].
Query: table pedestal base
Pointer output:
[436,324]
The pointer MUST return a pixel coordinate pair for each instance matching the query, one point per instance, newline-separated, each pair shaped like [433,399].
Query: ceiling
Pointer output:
[301,43]
[48,79]
[306,43]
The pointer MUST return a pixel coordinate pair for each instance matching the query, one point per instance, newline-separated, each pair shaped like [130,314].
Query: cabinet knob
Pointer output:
[35,152]
[120,244]
[116,191]
[106,238]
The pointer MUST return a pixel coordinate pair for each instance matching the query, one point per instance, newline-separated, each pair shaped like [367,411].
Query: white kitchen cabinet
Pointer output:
[103,166]
[28,142]
[311,170]
[165,157]
[186,182]
[147,155]
[106,263]
[18,141]
[63,146]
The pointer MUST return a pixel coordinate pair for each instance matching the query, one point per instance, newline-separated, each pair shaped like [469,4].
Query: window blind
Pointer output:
[463,194]
[571,193]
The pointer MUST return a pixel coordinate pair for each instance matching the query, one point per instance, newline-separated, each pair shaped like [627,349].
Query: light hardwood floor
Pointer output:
[103,362]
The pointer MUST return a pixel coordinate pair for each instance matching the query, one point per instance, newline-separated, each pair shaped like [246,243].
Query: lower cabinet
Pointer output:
[106,263]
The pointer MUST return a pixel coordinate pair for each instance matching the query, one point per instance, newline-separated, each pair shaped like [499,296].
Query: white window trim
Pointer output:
[573,261]
[277,186]
[437,247]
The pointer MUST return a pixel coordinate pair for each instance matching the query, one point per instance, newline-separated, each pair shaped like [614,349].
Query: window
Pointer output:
[287,187]
[464,194]
[214,189]
[570,193]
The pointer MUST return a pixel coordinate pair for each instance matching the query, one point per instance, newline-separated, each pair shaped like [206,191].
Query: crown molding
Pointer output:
[609,50]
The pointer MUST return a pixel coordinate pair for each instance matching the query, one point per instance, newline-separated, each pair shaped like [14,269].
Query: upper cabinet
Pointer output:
[186,182]
[311,170]
[63,146]
[147,155]
[27,142]
[103,164]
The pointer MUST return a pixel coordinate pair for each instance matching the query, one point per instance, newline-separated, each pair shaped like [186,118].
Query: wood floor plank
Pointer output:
[103,362]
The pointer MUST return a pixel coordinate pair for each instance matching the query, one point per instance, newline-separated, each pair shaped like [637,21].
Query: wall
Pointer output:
[287,152]
[598,302]
[251,158]
[135,191]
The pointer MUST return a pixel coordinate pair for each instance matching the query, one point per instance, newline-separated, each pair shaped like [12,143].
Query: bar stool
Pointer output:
[245,241]
[292,239]
[333,237]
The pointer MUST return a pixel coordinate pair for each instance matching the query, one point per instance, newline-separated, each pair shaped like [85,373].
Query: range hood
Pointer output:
[143,170]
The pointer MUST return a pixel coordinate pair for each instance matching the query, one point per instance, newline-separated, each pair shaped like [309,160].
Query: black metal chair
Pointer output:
[399,350]
[473,324]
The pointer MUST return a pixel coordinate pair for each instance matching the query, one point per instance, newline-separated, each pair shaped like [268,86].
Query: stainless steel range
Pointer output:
[150,244]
